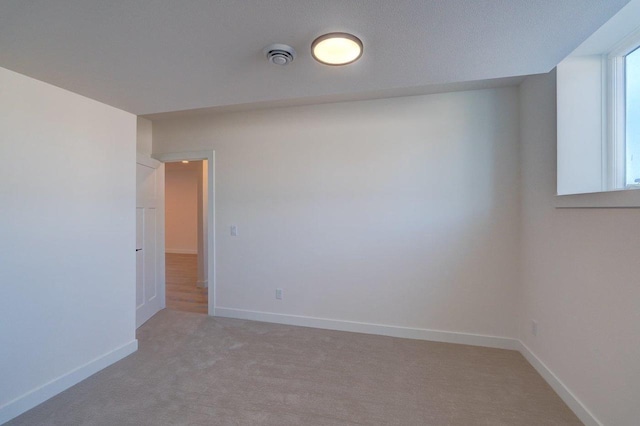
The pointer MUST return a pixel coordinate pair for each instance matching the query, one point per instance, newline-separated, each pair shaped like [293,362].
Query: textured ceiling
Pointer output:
[152,56]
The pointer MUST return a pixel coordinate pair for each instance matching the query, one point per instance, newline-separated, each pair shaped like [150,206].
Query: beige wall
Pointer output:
[581,276]
[398,211]
[181,207]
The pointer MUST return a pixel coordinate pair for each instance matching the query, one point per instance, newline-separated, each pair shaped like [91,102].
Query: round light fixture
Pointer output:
[337,49]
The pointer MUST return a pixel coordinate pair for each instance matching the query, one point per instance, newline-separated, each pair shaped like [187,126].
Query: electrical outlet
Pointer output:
[534,327]
[279,293]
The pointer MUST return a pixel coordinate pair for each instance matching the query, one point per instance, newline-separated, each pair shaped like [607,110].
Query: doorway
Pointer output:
[186,213]
[209,222]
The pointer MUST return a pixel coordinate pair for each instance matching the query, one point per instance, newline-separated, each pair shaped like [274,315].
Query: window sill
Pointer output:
[624,199]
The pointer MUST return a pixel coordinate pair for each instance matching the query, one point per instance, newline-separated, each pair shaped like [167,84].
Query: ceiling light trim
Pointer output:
[334,35]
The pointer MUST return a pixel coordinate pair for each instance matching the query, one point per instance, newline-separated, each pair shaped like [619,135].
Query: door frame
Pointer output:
[210,156]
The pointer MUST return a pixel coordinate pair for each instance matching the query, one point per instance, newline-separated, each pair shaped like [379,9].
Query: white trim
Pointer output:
[160,242]
[172,157]
[561,389]
[180,251]
[608,178]
[210,156]
[627,44]
[40,394]
[616,121]
[368,328]
[629,198]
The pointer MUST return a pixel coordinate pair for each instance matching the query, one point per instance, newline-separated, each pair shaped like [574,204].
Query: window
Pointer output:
[624,115]
[598,117]
[632,118]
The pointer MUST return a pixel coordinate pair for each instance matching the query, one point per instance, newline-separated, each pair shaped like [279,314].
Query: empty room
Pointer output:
[284,212]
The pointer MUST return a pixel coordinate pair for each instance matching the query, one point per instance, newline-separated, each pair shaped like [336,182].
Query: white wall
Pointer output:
[400,211]
[581,276]
[579,110]
[181,207]
[67,239]
[144,137]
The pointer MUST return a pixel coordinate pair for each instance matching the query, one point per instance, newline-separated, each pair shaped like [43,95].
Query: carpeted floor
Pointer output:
[195,370]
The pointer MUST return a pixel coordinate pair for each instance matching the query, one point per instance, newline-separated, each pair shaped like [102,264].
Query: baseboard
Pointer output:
[367,328]
[561,389]
[37,396]
[180,251]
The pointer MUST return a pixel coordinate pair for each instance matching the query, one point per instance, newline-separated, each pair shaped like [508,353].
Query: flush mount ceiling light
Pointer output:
[337,49]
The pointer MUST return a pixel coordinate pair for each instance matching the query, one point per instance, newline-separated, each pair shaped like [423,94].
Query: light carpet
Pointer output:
[192,369]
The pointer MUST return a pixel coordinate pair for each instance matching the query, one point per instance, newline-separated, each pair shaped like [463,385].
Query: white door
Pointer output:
[149,239]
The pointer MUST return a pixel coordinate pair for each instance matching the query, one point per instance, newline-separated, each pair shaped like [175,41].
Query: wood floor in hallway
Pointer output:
[181,277]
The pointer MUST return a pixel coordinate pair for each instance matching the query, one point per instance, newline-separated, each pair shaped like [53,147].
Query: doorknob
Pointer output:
[138,249]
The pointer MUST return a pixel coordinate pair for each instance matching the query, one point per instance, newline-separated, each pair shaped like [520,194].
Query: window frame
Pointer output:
[615,151]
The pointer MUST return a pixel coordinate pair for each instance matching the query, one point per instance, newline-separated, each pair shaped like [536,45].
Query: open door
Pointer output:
[150,288]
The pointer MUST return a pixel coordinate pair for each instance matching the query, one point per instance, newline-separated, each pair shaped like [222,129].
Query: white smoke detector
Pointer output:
[280,54]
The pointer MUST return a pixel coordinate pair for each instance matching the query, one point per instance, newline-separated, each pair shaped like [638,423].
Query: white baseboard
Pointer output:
[40,394]
[561,389]
[367,328]
[25,402]
[180,251]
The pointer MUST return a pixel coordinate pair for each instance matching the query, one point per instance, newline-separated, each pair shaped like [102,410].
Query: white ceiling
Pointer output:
[154,56]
